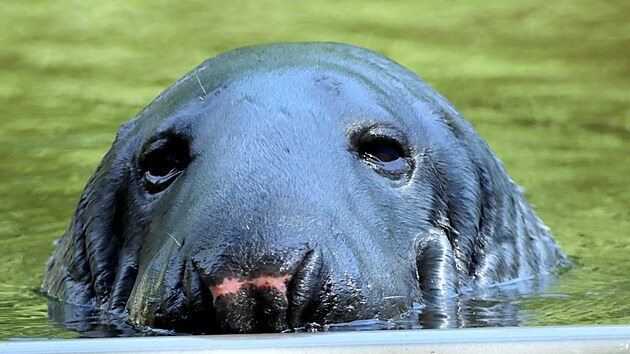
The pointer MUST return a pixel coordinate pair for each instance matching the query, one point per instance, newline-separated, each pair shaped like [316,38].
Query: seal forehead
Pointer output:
[330,59]
[382,75]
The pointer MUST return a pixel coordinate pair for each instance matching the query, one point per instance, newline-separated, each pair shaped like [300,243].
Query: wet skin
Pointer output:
[283,185]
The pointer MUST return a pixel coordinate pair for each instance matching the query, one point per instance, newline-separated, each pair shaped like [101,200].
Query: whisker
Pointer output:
[174,239]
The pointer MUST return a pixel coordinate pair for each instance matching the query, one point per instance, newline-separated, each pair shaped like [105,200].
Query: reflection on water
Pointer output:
[497,306]
[545,83]
[89,323]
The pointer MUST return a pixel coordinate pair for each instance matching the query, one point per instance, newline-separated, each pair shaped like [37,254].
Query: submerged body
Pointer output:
[289,184]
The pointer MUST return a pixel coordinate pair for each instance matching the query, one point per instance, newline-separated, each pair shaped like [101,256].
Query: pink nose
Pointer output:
[231,286]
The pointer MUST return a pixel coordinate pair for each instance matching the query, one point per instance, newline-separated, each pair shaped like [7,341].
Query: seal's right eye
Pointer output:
[162,162]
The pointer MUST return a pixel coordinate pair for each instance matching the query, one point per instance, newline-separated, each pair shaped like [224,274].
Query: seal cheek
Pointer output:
[435,262]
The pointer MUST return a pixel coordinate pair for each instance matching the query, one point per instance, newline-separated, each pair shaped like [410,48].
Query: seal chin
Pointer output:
[275,299]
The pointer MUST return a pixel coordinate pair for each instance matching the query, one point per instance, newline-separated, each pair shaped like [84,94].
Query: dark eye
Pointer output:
[385,155]
[162,162]
[385,151]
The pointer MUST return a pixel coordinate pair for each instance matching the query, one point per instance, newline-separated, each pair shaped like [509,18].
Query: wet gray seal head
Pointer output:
[282,185]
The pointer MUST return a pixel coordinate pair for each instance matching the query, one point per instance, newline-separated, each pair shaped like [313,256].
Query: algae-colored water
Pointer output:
[547,84]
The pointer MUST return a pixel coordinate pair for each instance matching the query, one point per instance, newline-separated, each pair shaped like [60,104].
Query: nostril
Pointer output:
[231,286]
[278,284]
[227,287]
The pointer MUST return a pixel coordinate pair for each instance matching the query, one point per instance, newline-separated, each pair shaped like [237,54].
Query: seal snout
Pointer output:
[269,296]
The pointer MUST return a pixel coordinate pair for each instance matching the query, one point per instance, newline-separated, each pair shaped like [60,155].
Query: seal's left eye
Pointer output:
[163,161]
[385,155]
[384,151]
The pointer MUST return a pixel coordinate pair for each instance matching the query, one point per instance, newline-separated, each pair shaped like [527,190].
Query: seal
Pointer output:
[282,185]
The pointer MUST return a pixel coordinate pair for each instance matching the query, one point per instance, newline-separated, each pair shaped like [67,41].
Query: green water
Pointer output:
[547,84]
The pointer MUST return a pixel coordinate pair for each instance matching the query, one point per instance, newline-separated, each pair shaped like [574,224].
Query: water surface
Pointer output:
[547,84]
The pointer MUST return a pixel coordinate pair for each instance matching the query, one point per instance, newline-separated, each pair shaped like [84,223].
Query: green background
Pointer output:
[546,83]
